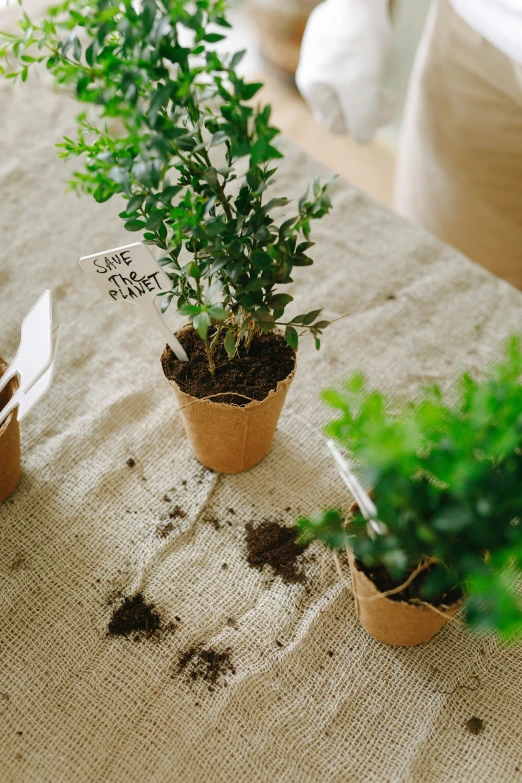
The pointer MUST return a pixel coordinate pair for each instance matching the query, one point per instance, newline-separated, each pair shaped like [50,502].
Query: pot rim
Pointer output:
[439,608]
[250,405]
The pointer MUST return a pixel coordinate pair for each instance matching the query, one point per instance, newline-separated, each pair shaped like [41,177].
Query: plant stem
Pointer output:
[208,351]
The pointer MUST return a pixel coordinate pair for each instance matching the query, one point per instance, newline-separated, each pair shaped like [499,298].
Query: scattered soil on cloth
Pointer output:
[163,530]
[271,544]
[382,580]
[205,664]
[255,375]
[136,619]
[475,725]
[177,513]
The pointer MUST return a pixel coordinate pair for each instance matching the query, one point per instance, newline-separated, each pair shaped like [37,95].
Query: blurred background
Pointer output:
[271,32]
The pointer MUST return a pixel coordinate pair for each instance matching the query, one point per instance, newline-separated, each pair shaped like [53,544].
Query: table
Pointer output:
[307,696]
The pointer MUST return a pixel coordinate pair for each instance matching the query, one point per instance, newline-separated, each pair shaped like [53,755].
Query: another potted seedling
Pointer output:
[193,159]
[446,480]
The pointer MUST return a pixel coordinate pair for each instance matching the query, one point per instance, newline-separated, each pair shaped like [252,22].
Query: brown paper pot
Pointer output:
[229,438]
[10,467]
[394,622]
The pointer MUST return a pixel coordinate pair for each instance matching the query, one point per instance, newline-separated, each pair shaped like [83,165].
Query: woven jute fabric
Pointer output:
[312,696]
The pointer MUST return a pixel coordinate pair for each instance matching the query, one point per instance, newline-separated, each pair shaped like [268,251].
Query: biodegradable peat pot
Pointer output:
[10,466]
[394,622]
[230,438]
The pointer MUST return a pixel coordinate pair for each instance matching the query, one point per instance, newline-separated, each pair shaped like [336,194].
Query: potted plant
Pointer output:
[184,146]
[446,480]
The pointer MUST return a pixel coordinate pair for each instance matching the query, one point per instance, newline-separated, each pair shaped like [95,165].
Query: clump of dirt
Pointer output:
[475,725]
[163,530]
[211,519]
[269,360]
[136,619]
[271,544]
[205,664]
[177,513]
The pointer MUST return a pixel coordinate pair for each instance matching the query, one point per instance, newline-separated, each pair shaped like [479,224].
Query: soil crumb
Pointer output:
[177,513]
[271,544]
[135,618]
[475,725]
[163,530]
[212,520]
[206,664]
[255,375]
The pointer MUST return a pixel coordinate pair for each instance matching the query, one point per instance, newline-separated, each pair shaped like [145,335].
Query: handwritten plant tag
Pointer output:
[132,274]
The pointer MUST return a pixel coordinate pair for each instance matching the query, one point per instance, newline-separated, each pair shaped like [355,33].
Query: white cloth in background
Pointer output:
[498,21]
[344,52]
[343,55]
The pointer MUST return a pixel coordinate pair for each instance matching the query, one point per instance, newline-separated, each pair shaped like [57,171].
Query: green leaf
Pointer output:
[135,203]
[281,300]
[218,313]
[261,260]
[189,309]
[202,323]
[218,138]
[291,337]
[213,37]
[236,58]
[230,344]
[135,225]
[311,316]
[193,270]
[249,90]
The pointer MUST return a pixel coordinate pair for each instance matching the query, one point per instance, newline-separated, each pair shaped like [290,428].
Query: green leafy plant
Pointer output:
[187,150]
[447,484]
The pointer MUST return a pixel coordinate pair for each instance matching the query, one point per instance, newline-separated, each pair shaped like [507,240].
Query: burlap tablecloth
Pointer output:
[313,697]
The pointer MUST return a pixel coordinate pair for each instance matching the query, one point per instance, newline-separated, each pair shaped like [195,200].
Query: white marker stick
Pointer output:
[24,399]
[36,345]
[131,274]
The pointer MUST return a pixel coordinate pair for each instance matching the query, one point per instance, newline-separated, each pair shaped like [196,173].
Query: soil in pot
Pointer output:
[230,433]
[414,591]
[269,360]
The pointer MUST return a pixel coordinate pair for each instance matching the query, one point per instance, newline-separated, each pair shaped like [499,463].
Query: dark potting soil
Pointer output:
[206,664]
[383,581]
[269,360]
[273,545]
[475,725]
[135,618]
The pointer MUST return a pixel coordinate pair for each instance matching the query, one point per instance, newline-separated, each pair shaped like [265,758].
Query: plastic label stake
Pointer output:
[132,274]
[363,500]
[24,399]
[36,345]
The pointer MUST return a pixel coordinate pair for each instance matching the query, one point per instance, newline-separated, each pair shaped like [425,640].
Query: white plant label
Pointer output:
[24,399]
[132,274]
[36,344]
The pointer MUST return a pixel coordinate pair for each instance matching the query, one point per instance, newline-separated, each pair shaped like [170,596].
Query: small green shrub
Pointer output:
[447,483]
[184,146]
